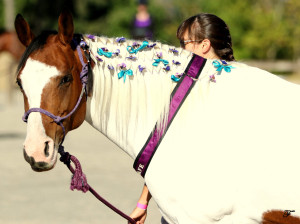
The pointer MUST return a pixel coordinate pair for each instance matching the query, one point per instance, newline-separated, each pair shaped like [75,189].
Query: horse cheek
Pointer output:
[78,117]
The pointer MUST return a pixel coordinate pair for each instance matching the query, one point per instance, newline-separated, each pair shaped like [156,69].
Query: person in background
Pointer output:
[142,25]
[207,36]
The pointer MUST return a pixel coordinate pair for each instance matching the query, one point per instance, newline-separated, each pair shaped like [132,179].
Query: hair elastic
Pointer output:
[139,205]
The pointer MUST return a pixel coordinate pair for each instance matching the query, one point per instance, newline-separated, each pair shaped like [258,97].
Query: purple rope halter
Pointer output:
[79,181]
[57,119]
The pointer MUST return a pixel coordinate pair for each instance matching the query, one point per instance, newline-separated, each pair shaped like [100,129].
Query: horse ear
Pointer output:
[23,30]
[65,27]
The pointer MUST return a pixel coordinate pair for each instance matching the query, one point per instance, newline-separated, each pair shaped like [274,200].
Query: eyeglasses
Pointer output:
[185,42]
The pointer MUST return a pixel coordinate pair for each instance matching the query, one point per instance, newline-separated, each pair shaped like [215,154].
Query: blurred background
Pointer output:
[265,34]
[260,29]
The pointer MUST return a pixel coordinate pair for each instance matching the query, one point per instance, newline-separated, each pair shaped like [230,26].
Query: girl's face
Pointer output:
[192,45]
[202,48]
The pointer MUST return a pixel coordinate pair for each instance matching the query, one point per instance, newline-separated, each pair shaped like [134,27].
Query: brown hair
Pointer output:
[209,26]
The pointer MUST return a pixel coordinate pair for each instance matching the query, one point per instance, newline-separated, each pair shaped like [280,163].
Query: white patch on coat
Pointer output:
[35,76]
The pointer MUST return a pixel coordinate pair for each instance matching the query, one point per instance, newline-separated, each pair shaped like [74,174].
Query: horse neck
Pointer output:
[127,111]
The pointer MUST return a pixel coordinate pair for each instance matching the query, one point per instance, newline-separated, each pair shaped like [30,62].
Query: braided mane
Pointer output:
[142,96]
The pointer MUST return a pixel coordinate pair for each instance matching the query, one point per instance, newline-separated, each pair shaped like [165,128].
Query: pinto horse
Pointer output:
[231,154]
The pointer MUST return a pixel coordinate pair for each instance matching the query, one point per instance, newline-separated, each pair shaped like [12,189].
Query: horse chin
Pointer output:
[38,169]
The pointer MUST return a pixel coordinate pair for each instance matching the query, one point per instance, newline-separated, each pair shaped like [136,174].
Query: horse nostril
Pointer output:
[46,149]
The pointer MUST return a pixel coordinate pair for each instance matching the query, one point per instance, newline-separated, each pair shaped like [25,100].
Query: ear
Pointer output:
[206,45]
[23,30]
[65,27]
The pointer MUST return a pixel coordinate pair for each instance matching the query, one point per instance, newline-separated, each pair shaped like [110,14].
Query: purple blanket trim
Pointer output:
[179,94]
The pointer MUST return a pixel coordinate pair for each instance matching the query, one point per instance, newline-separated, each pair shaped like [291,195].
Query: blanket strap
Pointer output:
[179,94]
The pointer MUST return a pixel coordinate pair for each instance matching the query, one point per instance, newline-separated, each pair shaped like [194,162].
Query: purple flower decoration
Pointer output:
[176,62]
[98,58]
[151,45]
[212,78]
[173,50]
[117,52]
[120,39]
[122,65]
[131,57]
[110,67]
[90,36]
[135,45]
[104,49]
[141,68]
[224,62]
[159,55]
[82,44]
[167,68]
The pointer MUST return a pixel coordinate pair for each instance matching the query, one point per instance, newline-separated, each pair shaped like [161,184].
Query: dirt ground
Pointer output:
[27,197]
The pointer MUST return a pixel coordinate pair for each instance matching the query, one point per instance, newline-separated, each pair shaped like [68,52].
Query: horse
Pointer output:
[231,154]
[10,43]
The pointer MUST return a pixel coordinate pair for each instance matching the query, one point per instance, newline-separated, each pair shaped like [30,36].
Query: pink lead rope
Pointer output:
[79,181]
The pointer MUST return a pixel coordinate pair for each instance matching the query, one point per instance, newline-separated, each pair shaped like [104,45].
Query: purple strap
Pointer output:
[179,94]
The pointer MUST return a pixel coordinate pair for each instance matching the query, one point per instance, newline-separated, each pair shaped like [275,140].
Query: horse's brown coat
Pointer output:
[9,42]
[57,99]
[279,217]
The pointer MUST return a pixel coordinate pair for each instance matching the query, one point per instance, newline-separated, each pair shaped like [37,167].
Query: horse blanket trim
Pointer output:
[179,94]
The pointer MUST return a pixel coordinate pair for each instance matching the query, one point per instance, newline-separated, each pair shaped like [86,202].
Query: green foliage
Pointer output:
[265,29]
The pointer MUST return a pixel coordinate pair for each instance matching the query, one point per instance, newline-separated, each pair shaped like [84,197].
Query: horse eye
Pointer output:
[66,79]
[19,84]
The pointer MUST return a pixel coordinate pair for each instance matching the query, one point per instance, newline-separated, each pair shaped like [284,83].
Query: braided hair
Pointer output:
[209,26]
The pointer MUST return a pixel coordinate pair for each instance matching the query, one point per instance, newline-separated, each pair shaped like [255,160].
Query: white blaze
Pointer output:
[35,76]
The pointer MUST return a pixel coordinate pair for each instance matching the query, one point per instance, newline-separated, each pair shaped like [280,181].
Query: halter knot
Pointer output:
[65,157]
[79,181]
[57,119]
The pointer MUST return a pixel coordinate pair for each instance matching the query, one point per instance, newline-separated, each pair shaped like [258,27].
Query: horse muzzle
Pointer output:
[41,157]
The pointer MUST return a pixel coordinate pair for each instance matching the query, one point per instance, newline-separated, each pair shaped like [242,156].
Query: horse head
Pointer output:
[49,78]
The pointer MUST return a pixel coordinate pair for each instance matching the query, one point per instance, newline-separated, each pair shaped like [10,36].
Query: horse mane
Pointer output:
[142,97]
